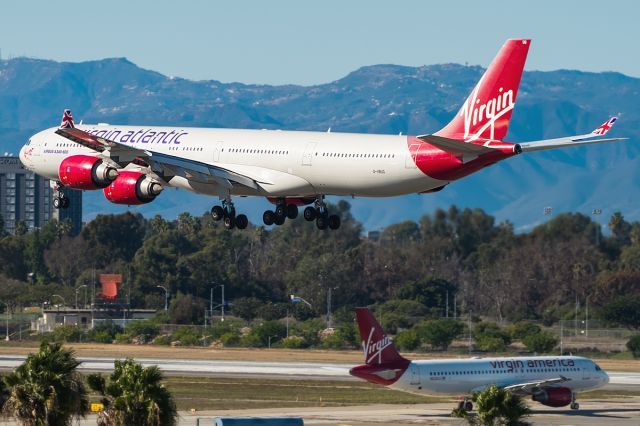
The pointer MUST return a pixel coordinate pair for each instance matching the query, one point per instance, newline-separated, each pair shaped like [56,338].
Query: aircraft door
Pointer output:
[415,375]
[586,371]
[217,150]
[307,155]
[410,161]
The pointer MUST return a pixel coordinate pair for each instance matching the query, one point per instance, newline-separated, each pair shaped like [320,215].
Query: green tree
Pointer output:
[521,329]
[407,340]
[634,346]
[47,388]
[246,307]
[439,333]
[134,395]
[541,342]
[496,407]
[624,311]
[186,309]
[431,293]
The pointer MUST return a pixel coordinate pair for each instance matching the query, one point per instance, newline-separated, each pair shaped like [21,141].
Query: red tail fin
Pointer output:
[487,111]
[378,348]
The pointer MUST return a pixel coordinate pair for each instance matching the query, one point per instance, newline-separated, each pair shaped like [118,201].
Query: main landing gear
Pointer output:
[318,212]
[465,405]
[227,213]
[60,201]
[574,405]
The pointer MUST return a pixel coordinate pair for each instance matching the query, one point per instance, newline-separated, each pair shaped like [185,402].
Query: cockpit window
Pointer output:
[29,142]
[598,367]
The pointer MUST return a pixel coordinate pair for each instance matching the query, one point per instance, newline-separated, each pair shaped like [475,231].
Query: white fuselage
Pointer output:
[284,163]
[466,376]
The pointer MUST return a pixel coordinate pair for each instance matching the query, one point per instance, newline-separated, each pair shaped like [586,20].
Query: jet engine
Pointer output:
[553,397]
[132,188]
[86,172]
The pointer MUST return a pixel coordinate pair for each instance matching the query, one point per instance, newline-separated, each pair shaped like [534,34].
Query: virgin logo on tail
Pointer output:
[474,113]
[374,349]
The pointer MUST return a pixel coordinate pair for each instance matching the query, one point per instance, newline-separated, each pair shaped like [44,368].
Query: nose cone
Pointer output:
[605,378]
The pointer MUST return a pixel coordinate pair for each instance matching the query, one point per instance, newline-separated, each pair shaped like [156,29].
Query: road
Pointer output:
[619,379]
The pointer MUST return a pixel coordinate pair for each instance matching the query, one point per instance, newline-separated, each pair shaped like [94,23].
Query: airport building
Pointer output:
[25,196]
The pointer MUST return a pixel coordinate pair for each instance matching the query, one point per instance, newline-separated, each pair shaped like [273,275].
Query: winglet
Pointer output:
[605,127]
[67,120]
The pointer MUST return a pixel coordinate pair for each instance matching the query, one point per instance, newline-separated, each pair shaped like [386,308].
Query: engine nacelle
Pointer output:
[86,172]
[553,397]
[132,188]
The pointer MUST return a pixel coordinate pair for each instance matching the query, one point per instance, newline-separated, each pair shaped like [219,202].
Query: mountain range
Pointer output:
[373,99]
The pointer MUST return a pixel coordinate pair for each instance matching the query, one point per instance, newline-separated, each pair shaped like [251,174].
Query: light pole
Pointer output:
[166,297]
[586,317]
[271,337]
[298,299]
[64,303]
[85,294]
[6,315]
[222,305]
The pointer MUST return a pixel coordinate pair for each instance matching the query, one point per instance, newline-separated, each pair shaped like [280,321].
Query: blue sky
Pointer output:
[304,42]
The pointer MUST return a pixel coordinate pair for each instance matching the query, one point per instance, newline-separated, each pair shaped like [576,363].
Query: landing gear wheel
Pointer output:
[279,220]
[242,221]
[334,221]
[281,210]
[268,217]
[322,222]
[575,406]
[292,211]
[309,214]
[57,203]
[229,222]
[217,213]
[468,406]
[65,202]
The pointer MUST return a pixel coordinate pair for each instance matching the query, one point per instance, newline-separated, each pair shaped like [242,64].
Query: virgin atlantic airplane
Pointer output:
[132,164]
[549,380]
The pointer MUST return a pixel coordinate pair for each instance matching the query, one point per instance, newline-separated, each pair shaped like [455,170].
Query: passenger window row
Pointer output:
[356,155]
[528,370]
[257,151]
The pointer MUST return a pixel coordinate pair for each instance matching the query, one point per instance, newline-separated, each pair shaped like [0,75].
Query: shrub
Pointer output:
[273,329]
[66,333]
[490,344]
[294,342]
[407,340]
[246,307]
[165,340]
[102,337]
[230,338]
[333,341]
[522,328]
[122,338]
[540,342]
[272,311]
[143,329]
[634,346]
[187,336]
[309,330]
[485,330]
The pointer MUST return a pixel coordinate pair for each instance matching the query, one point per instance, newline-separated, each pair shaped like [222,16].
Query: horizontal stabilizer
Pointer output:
[456,147]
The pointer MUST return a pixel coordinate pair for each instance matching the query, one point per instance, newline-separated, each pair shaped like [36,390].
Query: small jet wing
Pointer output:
[528,387]
[573,140]
[124,154]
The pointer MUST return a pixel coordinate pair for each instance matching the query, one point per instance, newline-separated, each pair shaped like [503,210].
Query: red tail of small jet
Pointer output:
[383,363]
[487,111]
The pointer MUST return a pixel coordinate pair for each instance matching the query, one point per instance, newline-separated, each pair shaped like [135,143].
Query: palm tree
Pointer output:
[496,407]
[134,395]
[47,389]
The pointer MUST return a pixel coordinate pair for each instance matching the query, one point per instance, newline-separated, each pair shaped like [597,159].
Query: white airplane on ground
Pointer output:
[132,164]
[550,380]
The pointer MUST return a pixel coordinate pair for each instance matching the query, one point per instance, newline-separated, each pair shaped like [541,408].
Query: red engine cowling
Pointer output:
[86,172]
[553,397]
[132,188]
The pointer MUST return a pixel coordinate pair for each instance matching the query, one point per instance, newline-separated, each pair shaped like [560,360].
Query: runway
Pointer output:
[618,379]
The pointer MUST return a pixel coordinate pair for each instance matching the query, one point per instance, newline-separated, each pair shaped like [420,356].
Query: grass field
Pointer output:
[236,394]
[228,394]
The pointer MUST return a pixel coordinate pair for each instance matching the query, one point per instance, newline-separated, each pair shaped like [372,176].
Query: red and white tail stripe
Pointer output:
[606,126]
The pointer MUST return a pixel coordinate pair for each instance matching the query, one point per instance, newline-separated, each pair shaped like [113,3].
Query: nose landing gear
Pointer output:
[227,213]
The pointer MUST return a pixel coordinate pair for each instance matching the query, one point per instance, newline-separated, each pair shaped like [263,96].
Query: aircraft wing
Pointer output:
[162,163]
[588,138]
[528,387]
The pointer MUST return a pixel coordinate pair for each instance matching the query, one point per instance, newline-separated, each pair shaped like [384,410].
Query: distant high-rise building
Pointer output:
[25,196]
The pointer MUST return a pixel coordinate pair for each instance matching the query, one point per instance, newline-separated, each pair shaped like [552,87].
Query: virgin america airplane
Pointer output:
[132,164]
[550,380]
